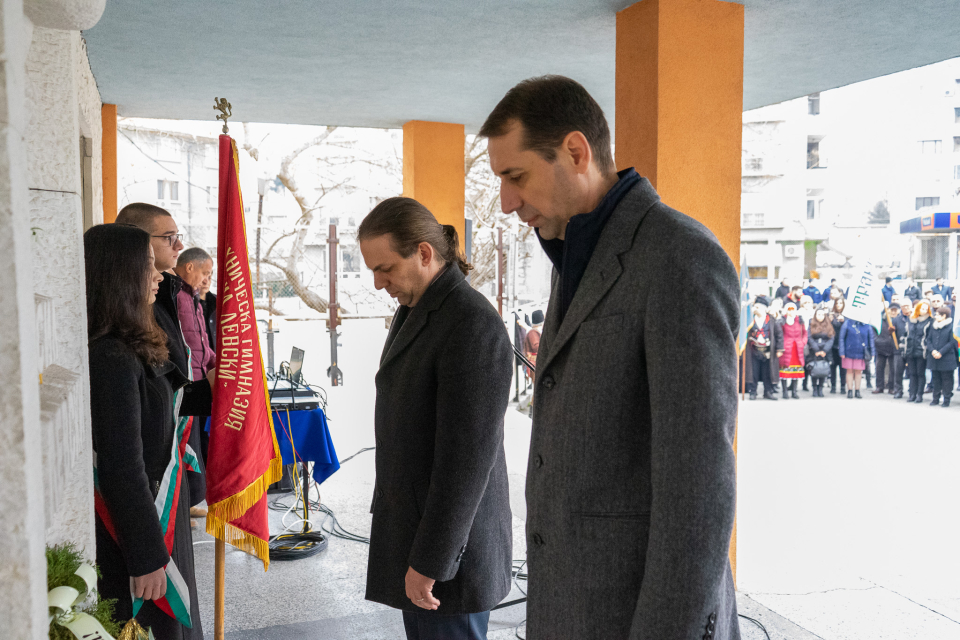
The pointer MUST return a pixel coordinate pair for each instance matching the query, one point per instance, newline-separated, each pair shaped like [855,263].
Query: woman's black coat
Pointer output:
[441,502]
[131,407]
[941,340]
[820,342]
[916,338]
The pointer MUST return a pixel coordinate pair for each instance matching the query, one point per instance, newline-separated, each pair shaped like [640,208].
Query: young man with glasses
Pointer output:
[167,242]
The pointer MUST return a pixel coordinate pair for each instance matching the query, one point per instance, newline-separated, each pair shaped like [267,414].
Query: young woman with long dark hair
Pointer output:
[142,520]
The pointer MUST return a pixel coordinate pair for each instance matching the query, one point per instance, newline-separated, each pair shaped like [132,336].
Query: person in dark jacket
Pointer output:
[941,289]
[887,292]
[165,239]
[820,345]
[857,340]
[837,319]
[941,351]
[764,344]
[783,290]
[911,292]
[889,351]
[440,542]
[915,352]
[209,301]
[132,387]
[813,292]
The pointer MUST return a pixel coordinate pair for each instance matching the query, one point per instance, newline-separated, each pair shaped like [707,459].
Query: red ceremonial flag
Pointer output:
[244,458]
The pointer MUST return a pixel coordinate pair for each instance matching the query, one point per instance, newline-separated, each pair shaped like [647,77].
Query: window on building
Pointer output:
[813,154]
[956,114]
[956,144]
[956,172]
[168,190]
[927,202]
[752,220]
[930,146]
[813,104]
[754,164]
[811,209]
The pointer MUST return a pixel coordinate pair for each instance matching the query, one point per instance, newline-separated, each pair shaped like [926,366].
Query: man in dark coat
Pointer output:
[893,332]
[783,290]
[912,291]
[942,290]
[197,395]
[813,292]
[941,351]
[764,342]
[888,291]
[441,540]
[631,478]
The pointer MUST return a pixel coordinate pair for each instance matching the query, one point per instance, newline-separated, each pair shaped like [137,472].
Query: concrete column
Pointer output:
[433,170]
[23,603]
[109,162]
[679,106]
[679,112]
[952,258]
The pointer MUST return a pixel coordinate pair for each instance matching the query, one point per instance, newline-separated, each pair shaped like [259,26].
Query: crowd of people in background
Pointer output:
[801,338]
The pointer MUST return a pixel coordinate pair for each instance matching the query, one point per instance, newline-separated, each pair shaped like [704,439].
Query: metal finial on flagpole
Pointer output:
[225,109]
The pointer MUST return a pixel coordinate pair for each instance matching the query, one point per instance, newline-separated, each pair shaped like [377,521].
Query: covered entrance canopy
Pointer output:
[381,63]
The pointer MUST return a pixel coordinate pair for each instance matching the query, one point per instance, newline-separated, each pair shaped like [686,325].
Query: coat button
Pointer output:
[537,540]
[538,462]
[713,618]
[379,493]
[549,382]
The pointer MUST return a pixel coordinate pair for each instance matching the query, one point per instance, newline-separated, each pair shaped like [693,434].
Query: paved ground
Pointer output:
[847,518]
[847,523]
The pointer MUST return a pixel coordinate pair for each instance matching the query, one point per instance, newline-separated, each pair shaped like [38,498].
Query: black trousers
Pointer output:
[942,384]
[890,372]
[432,626]
[834,365]
[918,375]
[761,372]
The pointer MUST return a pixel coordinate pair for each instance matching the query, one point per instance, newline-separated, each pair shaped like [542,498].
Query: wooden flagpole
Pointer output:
[218,588]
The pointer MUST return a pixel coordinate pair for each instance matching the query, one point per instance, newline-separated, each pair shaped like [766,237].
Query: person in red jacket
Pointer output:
[794,343]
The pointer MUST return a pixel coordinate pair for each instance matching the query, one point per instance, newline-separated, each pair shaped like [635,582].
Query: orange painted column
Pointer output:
[108,116]
[679,106]
[433,170]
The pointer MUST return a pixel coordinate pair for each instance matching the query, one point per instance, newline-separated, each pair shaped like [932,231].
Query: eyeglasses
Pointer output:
[171,239]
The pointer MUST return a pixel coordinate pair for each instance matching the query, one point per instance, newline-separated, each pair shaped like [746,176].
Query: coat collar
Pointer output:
[414,319]
[602,272]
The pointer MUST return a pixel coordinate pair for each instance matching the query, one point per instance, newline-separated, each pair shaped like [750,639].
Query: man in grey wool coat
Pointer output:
[631,478]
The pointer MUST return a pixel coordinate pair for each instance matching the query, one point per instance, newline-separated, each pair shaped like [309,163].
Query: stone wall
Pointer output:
[62,105]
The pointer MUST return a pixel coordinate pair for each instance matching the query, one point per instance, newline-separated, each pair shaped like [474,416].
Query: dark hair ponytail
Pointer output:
[453,253]
[409,223]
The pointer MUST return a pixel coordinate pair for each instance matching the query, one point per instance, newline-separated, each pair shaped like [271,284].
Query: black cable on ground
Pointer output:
[756,622]
[295,546]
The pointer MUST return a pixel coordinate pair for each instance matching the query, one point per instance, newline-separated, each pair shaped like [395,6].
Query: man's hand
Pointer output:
[779,354]
[937,355]
[211,375]
[420,590]
[152,586]
[821,354]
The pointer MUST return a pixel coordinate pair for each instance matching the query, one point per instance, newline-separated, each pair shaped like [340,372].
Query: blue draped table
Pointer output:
[311,439]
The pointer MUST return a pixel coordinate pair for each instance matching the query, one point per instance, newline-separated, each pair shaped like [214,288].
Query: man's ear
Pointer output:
[427,253]
[576,147]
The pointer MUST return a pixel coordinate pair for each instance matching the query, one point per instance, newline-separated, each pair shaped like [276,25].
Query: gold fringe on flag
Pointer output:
[221,513]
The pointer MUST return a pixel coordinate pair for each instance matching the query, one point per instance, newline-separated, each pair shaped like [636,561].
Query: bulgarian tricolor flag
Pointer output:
[243,458]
